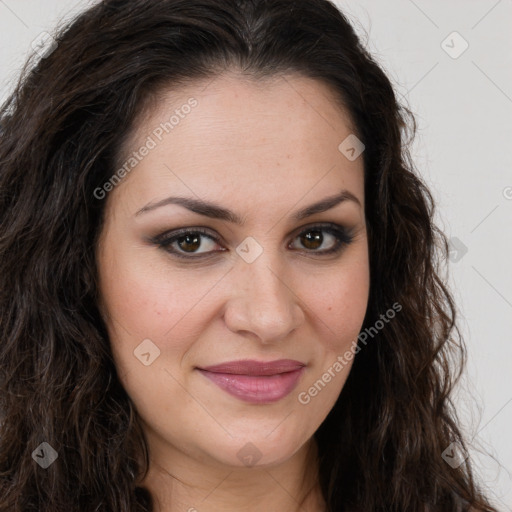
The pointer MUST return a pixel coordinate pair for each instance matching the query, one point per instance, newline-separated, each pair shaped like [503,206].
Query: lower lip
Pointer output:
[254,389]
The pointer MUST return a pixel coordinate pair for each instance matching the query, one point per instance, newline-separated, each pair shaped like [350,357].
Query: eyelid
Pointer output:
[175,233]
[167,238]
[344,236]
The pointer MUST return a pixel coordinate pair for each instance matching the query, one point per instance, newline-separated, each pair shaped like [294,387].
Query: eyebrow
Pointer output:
[214,211]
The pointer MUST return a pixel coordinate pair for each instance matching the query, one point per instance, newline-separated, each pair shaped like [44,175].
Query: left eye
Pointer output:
[185,242]
[313,239]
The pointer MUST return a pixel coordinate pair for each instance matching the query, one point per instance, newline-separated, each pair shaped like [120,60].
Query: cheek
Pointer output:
[337,314]
[145,298]
[145,303]
[340,303]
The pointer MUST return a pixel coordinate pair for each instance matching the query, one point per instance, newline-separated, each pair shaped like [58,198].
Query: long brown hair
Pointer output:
[381,446]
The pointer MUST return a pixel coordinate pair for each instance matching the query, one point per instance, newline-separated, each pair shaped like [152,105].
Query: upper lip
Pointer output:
[253,367]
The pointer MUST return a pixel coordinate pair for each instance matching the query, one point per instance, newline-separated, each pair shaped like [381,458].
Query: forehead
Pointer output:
[272,137]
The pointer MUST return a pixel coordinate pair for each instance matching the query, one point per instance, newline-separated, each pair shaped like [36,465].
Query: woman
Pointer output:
[220,274]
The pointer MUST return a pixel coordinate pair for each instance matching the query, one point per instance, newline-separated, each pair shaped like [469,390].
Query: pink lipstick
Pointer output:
[256,382]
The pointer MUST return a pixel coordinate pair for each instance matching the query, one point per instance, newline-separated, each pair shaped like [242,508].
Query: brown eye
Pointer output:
[200,243]
[312,239]
[334,237]
[194,242]
[189,243]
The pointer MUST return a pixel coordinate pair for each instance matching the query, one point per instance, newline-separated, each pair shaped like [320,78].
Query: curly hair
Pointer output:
[380,446]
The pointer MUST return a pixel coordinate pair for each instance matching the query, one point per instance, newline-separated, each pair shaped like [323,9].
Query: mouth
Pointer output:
[257,382]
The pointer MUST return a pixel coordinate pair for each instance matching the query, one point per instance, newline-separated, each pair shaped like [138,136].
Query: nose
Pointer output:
[262,301]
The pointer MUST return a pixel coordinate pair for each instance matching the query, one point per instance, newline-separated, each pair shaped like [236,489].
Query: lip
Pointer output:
[257,368]
[256,382]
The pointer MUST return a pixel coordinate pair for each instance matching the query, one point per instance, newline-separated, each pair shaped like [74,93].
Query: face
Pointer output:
[274,292]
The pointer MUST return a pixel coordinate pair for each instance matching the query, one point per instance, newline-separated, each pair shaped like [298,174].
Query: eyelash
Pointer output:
[164,241]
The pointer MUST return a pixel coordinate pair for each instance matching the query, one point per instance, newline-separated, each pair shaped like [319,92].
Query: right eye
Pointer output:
[186,242]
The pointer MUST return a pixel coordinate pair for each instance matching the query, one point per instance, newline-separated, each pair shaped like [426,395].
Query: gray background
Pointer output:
[463,105]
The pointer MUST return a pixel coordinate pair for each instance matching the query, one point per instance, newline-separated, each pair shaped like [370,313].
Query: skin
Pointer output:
[264,150]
